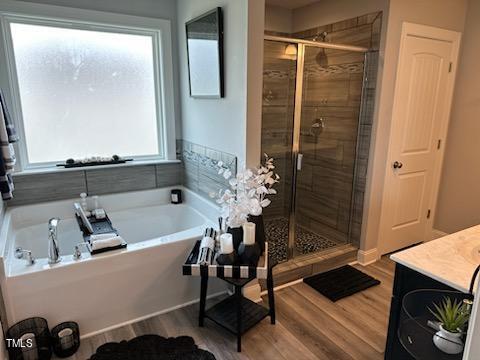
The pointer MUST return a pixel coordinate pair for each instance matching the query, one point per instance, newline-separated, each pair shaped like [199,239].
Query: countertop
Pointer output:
[451,259]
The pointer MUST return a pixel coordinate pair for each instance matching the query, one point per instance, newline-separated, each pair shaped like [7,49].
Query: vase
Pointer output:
[448,342]
[237,236]
[249,254]
[259,230]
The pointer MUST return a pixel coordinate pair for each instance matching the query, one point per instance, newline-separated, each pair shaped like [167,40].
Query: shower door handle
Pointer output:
[299,161]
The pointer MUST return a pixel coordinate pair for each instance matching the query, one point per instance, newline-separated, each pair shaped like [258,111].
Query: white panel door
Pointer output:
[420,115]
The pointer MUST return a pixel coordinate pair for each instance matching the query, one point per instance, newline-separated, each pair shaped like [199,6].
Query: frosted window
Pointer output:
[85,93]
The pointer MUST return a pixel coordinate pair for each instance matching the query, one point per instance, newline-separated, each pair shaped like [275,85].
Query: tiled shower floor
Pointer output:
[306,242]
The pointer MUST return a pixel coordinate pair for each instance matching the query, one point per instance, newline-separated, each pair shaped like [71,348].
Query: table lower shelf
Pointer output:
[224,314]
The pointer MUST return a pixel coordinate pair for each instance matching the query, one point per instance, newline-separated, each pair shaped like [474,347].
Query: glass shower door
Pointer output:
[279,74]
[327,141]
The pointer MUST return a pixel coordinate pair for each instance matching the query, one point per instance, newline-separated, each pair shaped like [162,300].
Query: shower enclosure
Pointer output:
[312,96]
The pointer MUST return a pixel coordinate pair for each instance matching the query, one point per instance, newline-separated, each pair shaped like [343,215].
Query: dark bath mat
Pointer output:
[153,347]
[342,282]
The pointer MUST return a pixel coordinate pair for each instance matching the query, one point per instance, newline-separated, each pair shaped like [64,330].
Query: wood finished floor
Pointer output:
[309,326]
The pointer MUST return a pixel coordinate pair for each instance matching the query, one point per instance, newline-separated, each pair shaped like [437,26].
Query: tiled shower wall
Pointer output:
[324,186]
[331,95]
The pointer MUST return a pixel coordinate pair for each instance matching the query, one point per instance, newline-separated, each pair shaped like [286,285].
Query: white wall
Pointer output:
[278,19]
[256,28]
[458,204]
[217,123]
[222,123]
[447,14]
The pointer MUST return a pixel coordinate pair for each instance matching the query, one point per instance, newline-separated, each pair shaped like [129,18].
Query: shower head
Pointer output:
[320,36]
[321,57]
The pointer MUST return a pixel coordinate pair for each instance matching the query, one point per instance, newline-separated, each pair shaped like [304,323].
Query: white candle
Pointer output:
[226,243]
[65,336]
[249,233]
[29,344]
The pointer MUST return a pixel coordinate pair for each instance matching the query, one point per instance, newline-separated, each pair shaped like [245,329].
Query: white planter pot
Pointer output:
[448,342]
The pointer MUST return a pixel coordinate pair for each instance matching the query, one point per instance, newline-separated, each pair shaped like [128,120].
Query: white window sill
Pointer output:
[59,169]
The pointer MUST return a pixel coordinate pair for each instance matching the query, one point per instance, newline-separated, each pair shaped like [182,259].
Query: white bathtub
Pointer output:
[110,289]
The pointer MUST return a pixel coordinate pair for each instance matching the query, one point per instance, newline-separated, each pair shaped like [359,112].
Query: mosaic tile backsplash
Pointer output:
[200,169]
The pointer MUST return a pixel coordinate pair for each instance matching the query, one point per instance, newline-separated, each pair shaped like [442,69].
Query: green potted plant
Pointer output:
[453,317]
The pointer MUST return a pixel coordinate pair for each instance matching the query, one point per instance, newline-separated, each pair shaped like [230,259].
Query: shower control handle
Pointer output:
[299,161]
[397,165]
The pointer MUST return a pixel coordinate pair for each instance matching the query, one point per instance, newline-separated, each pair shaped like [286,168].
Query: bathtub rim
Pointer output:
[206,209]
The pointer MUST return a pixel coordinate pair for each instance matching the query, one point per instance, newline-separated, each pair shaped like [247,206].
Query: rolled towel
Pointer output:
[102,236]
[106,243]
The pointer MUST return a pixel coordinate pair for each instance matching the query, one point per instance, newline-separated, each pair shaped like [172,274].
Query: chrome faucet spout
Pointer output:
[53,248]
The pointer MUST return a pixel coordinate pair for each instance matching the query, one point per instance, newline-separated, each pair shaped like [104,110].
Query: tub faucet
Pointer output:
[53,249]
[25,254]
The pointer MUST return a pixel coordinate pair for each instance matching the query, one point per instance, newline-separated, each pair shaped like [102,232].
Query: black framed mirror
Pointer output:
[205,55]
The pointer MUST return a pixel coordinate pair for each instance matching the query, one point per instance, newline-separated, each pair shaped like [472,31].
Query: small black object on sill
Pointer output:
[94,161]
[176,196]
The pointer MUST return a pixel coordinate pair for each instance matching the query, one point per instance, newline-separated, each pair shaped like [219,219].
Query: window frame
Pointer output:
[49,15]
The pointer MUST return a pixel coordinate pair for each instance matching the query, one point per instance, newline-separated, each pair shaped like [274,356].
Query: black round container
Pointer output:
[66,345]
[39,349]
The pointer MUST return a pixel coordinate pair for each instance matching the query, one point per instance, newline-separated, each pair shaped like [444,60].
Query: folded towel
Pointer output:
[106,243]
[102,236]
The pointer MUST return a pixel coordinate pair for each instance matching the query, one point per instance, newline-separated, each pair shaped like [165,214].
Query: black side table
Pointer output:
[236,313]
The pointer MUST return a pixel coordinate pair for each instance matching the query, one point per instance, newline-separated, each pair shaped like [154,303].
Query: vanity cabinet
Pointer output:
[405,280]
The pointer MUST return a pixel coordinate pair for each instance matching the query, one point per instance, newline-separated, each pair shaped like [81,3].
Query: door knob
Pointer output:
[397,165]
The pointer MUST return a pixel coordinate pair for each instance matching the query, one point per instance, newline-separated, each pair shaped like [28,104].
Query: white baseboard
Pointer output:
[438,234]
[164,311]
[283,286]
[368,256]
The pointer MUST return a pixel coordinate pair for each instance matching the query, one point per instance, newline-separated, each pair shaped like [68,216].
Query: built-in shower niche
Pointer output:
[323,198]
